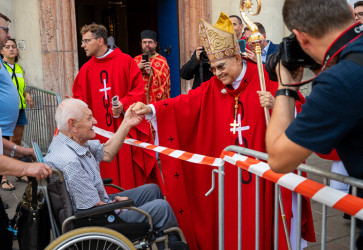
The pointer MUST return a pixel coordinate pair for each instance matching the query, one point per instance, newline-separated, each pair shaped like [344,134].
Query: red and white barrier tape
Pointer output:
[331,197]
[178,154]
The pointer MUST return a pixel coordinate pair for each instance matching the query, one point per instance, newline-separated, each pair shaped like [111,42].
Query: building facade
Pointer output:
[48,36]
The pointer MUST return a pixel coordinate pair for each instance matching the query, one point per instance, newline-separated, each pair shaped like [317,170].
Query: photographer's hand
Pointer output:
[142,64]
[148,68]
[198,52]
[284,155]
[286,77]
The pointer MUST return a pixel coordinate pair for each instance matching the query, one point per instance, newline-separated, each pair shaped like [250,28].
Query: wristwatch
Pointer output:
[12,153]
[288,92]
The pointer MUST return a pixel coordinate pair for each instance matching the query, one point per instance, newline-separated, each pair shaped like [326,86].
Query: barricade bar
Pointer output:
[41,122]
[303,167]
[333,198]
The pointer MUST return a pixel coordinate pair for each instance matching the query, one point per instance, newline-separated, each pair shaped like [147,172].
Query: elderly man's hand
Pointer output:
[132,119]
[142,109]
[38,170]
[120,198]
[266,99]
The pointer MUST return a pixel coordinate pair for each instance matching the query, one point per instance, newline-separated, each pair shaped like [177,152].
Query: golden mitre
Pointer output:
[219,41]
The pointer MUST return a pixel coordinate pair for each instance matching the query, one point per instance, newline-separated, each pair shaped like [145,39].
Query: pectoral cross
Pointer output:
[240,129]
[234,125]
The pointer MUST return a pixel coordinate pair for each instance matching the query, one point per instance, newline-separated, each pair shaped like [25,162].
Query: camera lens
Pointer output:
[270,65]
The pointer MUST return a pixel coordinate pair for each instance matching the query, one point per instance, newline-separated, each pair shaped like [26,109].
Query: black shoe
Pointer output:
[178,245]
[6,205]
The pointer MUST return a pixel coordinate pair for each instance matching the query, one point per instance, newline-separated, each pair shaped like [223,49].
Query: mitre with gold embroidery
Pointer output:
[219,41]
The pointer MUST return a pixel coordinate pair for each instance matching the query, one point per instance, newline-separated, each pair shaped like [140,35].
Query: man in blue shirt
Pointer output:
[9,112]
[9,98]
[332,116]
[267,46]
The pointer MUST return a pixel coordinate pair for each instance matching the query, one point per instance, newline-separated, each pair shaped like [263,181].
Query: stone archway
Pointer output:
[58,45]
[190,12]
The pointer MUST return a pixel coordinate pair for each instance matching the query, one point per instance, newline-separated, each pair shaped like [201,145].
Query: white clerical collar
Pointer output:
[106,54]
[236,83]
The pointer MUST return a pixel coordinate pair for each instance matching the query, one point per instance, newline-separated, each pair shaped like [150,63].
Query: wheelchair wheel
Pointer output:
[91,238]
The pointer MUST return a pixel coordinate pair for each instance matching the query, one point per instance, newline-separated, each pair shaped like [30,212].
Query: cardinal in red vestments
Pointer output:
[154,67]
[107,74]
[223,111]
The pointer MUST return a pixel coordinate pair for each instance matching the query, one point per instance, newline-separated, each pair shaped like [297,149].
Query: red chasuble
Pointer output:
[157,86]
[200,123]
[96,83]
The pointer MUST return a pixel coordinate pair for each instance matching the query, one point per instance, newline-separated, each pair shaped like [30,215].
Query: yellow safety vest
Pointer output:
[18,78]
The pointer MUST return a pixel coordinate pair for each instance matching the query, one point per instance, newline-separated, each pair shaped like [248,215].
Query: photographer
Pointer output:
[332,116]
[197,67]
[154,68]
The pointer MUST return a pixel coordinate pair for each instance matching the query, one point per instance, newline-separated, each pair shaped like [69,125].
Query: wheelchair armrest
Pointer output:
[107,181]
[103,208]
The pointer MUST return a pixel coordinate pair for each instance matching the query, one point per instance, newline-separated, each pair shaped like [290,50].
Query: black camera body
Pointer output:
[203,56]
[291,55]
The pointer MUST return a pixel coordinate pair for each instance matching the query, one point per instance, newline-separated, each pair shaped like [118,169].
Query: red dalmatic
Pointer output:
[96,83]
[157,84]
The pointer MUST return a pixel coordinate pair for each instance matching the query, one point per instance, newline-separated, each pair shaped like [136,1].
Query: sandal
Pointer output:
[21,179]
[9,188]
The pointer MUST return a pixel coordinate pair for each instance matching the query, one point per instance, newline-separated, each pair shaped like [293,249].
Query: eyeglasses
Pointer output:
[5,29]
[358,15]
[220,67]
[86,41]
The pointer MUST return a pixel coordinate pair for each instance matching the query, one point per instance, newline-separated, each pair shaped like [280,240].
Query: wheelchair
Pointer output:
[99,227]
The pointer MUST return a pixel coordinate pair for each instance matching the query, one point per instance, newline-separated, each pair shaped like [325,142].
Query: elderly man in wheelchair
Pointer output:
[77,157]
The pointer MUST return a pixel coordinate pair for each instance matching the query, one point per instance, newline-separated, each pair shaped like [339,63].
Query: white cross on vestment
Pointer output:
[239,129]
[104,88]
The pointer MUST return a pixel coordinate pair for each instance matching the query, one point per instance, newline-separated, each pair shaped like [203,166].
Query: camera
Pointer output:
[145,57]
[203,56]
[291,55]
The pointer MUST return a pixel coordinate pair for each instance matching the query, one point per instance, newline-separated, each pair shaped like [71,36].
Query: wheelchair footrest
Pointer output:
[178,245]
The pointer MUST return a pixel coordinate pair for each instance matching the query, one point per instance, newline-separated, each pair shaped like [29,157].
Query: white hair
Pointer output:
[69,109]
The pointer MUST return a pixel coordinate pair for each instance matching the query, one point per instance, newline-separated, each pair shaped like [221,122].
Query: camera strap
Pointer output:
[348,36]
[341,42]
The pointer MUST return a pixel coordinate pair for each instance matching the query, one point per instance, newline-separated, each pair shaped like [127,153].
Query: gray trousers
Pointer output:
[149,198]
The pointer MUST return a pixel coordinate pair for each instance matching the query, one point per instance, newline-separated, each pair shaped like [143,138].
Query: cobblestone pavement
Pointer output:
[338,227]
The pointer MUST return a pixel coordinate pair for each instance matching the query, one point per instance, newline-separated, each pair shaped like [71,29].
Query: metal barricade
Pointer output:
[354,182]
[41,118]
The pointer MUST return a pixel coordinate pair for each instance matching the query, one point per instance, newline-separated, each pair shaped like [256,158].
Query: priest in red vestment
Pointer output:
[107,74]
[154,67]
[201,122]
